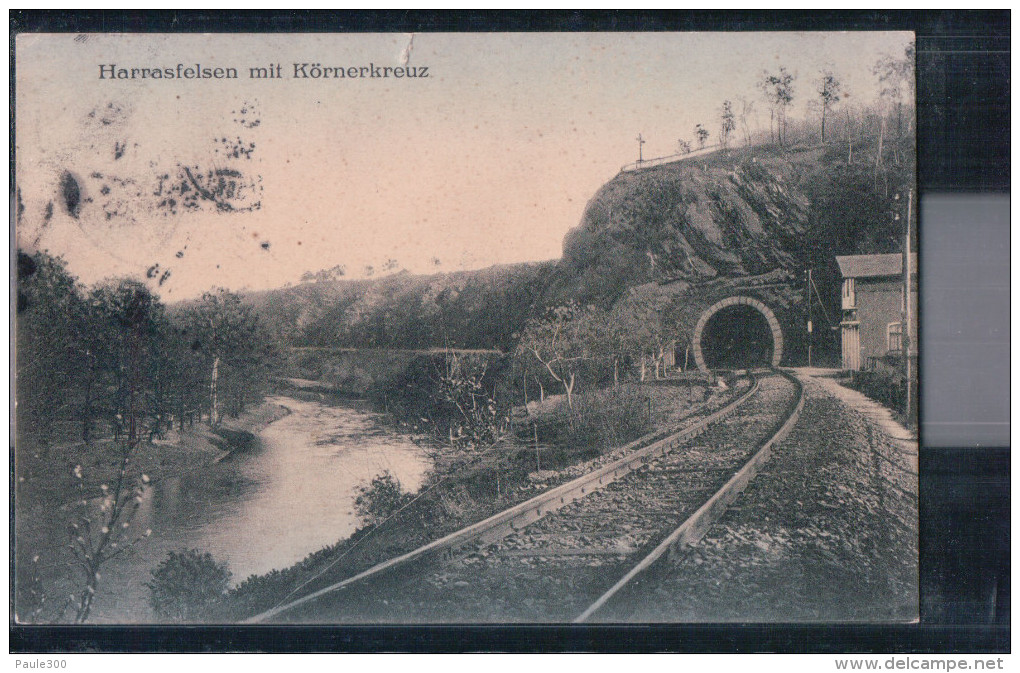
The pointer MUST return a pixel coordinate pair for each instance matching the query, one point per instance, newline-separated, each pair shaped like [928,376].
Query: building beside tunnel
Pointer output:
[873,305]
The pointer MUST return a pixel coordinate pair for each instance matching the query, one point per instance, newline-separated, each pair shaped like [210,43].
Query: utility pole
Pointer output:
[907,314]
[538,456]
[640,153]
[810,327]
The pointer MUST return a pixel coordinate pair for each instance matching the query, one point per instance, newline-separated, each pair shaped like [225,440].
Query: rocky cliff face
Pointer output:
[731,214]
[738,213]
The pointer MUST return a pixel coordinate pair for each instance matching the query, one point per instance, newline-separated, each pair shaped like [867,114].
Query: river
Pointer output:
[268,507]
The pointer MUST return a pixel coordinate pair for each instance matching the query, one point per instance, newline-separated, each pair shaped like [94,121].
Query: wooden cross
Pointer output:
[640,141]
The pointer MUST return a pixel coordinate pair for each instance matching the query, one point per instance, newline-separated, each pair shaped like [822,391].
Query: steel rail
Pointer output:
[523,514]
[695,526]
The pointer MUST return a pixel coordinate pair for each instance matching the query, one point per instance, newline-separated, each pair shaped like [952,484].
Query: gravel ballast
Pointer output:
[826,532]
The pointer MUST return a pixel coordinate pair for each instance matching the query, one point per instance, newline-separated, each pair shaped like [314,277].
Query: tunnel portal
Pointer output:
[737,333]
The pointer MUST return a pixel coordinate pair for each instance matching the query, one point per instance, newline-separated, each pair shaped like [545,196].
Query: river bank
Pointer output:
[49,495]
[466,488]
[265,505]
[48,475]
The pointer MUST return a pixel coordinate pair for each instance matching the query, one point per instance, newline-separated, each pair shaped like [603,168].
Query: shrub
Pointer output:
[601,420]
[380,499]
[888,390]
[610,418]
[187,585]
[451,396]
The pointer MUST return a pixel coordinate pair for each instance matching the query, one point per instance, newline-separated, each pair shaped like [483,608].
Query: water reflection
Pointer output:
[268,507]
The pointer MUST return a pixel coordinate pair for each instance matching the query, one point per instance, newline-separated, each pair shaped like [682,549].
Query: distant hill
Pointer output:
[464,309]
[744,212]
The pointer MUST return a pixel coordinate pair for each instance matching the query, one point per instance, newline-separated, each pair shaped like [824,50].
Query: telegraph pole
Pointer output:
[810,327]
[640,153]
[908,313]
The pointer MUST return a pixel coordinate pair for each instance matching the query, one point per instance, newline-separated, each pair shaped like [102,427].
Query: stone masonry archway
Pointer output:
[770,317]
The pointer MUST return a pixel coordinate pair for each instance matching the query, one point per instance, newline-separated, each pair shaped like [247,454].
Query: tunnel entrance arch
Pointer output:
[733,307]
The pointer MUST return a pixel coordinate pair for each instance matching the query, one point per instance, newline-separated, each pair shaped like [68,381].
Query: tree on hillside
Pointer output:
[565,341]
[639,329]
[896,76]
[124,339]
[851,214]
[332,273]
[186,586]
[468,407]
[49,352]
[777,88]
[747,109]
[683,146]
[829,92]
[236,348]
[727,123]
[849,114]
[381,498]
[702,135]
[525,371]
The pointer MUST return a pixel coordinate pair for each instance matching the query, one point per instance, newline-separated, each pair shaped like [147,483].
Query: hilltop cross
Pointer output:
[640,142]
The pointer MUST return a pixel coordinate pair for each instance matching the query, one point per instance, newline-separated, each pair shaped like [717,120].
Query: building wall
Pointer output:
[880,302]
[850,344]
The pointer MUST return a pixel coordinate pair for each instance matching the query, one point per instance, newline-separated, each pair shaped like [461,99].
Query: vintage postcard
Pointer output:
[465,328]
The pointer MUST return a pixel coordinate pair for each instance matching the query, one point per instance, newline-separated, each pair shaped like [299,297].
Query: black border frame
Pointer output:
[963,131]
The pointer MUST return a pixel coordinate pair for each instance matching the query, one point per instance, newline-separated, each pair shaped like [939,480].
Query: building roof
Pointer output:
[871,266]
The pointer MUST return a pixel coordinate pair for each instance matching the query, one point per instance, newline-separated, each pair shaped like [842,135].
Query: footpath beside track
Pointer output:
[827,532]
[557,556]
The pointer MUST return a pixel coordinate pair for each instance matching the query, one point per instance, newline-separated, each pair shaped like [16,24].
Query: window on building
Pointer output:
[894,335]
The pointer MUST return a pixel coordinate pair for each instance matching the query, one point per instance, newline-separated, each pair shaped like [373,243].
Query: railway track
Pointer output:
[565,554]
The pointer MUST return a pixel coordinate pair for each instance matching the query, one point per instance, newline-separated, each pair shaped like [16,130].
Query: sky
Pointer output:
[490,159]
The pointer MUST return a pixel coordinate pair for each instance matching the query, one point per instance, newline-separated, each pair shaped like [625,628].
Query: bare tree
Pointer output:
[727,123]
[563,341]
[746,108]
[896,75]
[638,328]
[98,538]
[778,91]
[702,134]
[849,137]
[765,87]
[829,92]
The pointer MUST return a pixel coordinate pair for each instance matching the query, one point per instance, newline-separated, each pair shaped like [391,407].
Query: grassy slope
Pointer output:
[466,309]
